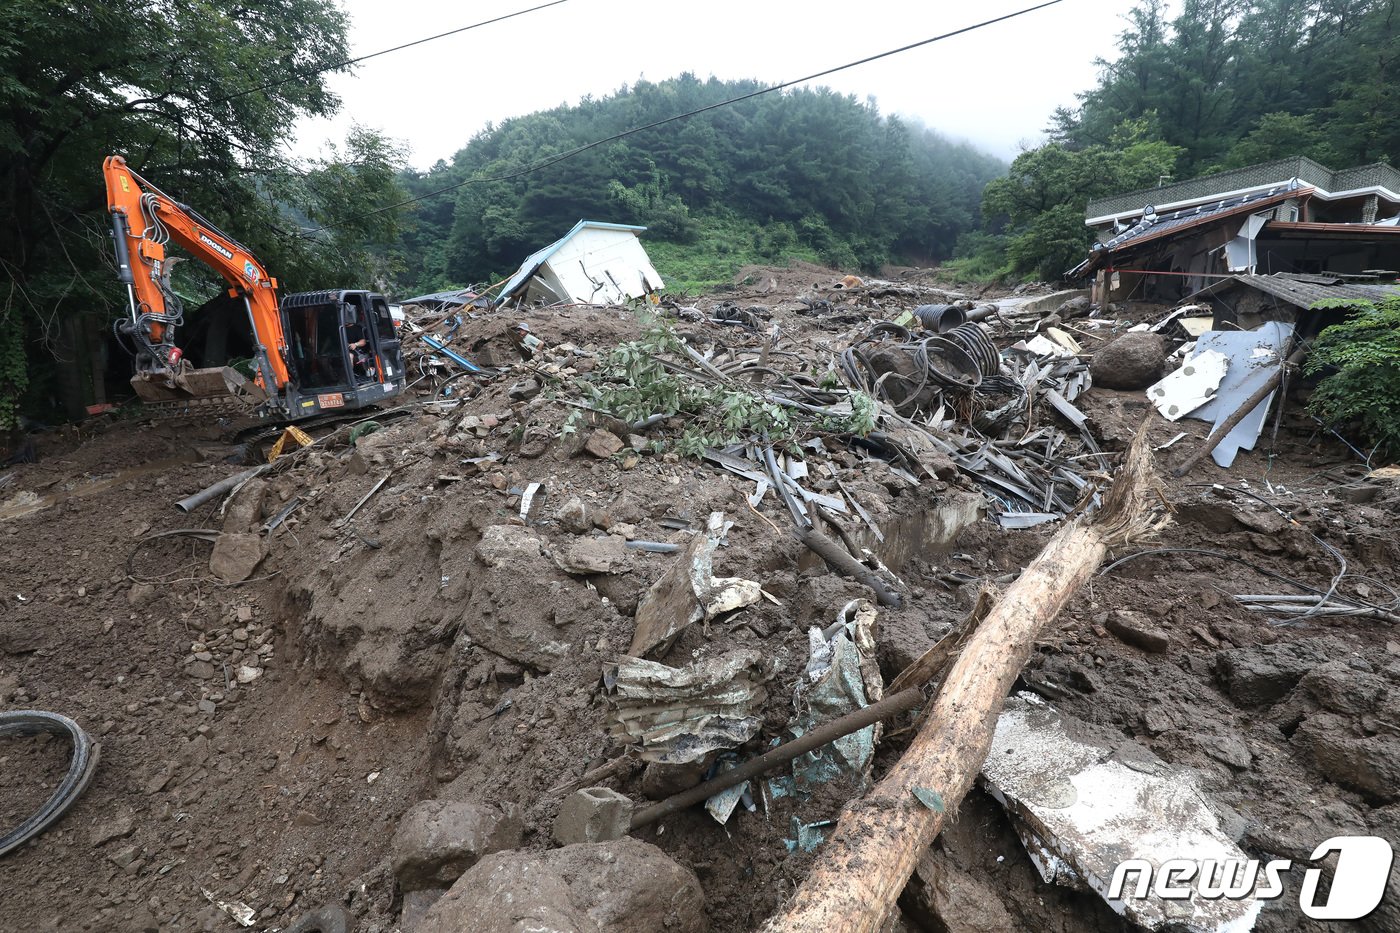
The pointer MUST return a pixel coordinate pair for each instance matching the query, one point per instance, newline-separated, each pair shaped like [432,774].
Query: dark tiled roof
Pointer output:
[1154,225]
[1304,291]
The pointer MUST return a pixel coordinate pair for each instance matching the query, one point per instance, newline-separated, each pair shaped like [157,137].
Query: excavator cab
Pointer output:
[327,372]
[310,352]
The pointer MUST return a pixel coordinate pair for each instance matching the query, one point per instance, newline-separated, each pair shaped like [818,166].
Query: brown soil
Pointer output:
[397,663]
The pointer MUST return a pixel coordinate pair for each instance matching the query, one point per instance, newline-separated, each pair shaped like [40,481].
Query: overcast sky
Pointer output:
[995,86]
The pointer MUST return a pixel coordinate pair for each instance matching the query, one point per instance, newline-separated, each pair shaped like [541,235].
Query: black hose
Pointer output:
[80,770]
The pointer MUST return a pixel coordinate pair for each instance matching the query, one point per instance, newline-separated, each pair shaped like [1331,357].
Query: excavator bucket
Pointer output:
[189,391]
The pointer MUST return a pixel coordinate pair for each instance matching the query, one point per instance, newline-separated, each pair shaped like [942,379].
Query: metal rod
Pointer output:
[851,722]
[351,514]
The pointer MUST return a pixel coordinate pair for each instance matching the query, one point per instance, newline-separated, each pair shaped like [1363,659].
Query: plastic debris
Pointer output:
[1186,389]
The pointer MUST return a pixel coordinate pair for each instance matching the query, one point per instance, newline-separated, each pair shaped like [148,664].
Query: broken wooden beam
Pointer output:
[863,867]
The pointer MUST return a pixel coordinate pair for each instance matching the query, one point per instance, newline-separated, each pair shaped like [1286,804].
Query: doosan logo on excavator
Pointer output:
[216,247]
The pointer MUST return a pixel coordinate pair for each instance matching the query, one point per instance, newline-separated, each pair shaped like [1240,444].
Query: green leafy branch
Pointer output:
[1361,360]
[634,382]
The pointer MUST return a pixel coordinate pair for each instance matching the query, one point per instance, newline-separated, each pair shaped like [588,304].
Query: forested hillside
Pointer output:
[1222,84]
[808,173]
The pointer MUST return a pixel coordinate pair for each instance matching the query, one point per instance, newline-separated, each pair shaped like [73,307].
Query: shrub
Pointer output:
[1361,357]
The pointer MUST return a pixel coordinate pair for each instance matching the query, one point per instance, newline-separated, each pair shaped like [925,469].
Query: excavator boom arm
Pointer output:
[144,221]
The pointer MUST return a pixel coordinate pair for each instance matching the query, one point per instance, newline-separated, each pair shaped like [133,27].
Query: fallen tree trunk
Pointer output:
[863,867]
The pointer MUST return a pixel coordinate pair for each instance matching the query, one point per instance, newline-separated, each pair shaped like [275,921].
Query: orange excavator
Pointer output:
[312,352]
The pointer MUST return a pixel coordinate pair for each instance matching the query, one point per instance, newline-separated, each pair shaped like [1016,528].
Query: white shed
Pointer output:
[594,263]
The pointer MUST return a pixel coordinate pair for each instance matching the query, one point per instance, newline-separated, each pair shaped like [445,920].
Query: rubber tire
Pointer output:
[80,770]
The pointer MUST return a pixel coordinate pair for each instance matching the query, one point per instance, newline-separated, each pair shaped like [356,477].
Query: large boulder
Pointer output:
[623,886]
[1133,361]
[438,840]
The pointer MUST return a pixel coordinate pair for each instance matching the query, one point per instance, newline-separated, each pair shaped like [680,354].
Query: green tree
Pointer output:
[834,178]
[1040,203]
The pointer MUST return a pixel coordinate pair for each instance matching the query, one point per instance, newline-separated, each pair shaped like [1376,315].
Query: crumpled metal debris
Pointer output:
[1254,356]
[1187,388]
[841,676]
[680,715]
[689,592]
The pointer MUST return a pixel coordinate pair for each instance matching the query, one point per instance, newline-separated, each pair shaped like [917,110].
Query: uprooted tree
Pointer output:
[198,99]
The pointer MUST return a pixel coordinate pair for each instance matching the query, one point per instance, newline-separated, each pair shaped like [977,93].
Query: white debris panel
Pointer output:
[1082,807]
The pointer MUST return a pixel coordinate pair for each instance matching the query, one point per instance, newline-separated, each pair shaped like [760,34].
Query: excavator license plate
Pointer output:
[331,400]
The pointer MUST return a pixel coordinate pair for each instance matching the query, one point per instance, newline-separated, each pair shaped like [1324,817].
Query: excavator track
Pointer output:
[272,429]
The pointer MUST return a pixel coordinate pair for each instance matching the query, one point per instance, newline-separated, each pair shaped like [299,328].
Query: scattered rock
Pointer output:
[593,555]
[236,556]
[200,670]
[1078,306]
[507,546]
[525,389]
[1133,361]
[1227,749]
[603,444]
[247,674]
[574,516]
[662,779]
[623,886]
[938,897]
[243,513]
[593,814]
[1137,630]
[141,594]
[535,441]
[1368,763]
[125,857]
[116,826]
[437,840]
[1338,687]
[416,905]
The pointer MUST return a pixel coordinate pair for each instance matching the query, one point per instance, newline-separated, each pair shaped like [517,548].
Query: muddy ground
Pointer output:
[261,741]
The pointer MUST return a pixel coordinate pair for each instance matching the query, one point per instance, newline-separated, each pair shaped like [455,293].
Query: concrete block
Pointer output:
[594,814]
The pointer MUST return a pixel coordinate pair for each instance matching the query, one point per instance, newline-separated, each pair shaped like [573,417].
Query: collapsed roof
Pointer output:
[1305,291]
[594,263]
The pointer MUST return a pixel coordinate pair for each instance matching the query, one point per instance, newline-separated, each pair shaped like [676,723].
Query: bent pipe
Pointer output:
[80,770]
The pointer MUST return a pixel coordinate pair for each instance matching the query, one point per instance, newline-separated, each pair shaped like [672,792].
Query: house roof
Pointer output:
[459,296]
[1154,226]
[538,258]
[1296,230]
[1304,291]
[1377,178]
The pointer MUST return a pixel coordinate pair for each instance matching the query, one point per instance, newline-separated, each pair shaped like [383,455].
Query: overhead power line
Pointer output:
[298,75]
[570,153]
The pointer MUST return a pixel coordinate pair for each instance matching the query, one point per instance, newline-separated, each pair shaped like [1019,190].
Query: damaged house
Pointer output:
[1291,216]
[594,263]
